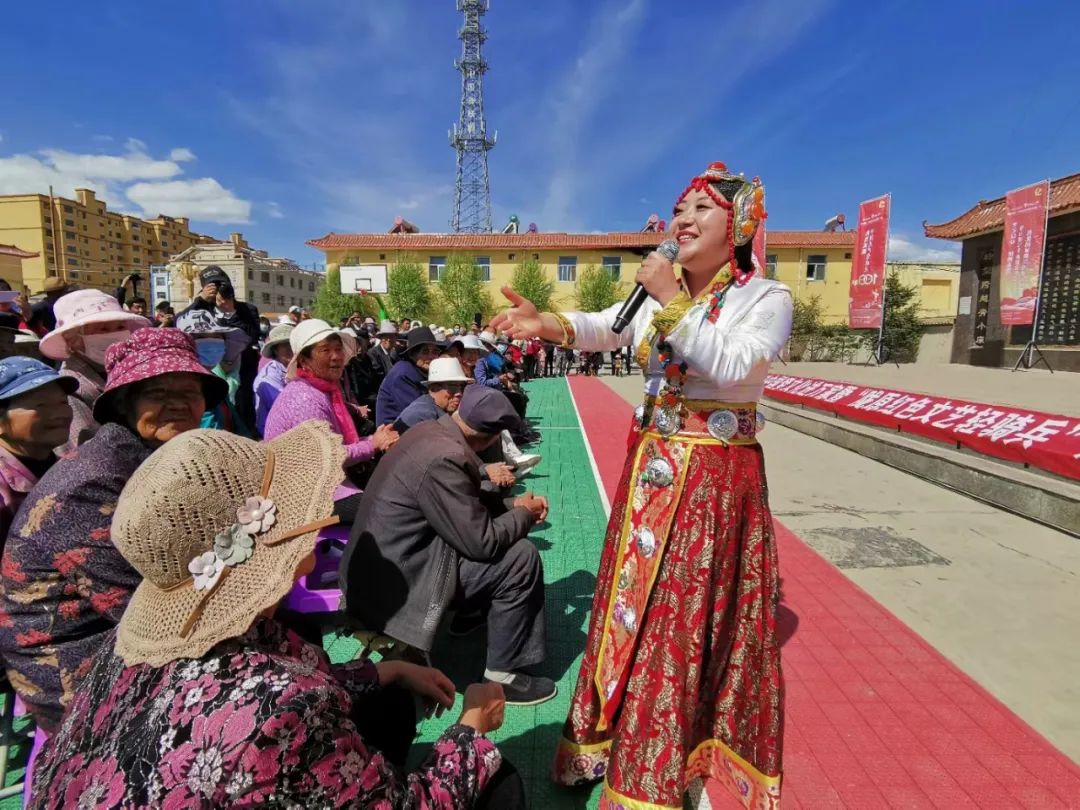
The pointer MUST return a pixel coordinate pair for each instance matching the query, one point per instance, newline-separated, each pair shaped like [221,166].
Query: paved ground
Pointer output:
[877,717]
[1036,389]
[996,594]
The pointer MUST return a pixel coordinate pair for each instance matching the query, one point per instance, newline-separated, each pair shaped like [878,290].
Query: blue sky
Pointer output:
[287,119]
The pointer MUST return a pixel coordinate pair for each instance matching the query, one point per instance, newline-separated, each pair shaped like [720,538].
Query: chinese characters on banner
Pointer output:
[759,247]
[1046,441]
[868,267]
[1022,252]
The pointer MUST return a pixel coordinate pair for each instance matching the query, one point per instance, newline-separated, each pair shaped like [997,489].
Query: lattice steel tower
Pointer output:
[472,190]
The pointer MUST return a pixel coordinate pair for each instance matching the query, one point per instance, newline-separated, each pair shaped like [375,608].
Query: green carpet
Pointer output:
[570,546]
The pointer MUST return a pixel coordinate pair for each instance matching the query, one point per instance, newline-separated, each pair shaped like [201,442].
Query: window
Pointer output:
[281,281]
[73,262]
[292,282]
[382,257]
[484,263]
[613,264]
[815,268]
[266,298]
[251,275]
[68,209]
[159,296]
[568,268]
[311,286]
[264,278]
[281,300]
[511,256]
[48,231]
[71,249]
[134,239]
[436,266]
[70,223]
[135,226]
[770,265]
[69,235]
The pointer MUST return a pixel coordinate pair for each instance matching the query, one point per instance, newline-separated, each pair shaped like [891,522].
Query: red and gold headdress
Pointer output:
[743,199]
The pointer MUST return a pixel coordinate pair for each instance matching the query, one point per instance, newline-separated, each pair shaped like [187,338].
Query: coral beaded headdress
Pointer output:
[743,199]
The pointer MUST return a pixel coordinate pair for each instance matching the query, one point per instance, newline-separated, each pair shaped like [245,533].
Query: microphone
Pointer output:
[669,249]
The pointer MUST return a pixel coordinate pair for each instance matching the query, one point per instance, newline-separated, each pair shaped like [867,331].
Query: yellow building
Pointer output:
[81,241]
[811,263]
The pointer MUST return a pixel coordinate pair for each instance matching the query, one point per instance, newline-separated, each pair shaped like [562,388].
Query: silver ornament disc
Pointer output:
[639,415]
[759,422]
[667,422]
[659,472]
[723,425]
[646,542]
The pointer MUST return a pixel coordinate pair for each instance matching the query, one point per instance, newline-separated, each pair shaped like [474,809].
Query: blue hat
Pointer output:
[487,410]
[19,375]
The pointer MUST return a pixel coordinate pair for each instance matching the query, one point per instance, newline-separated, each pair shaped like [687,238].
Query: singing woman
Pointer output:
[681,675]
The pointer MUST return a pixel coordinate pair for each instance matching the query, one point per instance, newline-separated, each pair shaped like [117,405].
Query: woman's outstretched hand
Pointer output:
[522,320]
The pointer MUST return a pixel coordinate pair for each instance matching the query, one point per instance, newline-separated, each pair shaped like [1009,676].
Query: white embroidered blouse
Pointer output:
[728,360]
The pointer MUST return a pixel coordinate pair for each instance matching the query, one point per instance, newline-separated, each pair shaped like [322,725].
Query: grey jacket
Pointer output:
[423,509]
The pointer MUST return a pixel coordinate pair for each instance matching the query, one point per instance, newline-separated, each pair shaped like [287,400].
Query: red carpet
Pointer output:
[876,717]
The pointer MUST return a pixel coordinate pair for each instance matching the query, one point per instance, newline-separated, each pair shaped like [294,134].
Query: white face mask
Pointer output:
[95,346]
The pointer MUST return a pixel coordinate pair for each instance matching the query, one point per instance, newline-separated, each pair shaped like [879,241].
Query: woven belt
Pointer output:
[702,420]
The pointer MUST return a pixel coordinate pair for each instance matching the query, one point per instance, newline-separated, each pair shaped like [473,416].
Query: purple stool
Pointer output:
[318,592]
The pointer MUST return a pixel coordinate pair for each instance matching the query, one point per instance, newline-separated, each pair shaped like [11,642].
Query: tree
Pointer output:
[596,289]
[461,292]
[903,328]
[331,304]
[409,293]
[806,324]
[531,282]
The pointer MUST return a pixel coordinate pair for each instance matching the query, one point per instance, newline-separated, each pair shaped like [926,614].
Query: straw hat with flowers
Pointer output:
[218,525]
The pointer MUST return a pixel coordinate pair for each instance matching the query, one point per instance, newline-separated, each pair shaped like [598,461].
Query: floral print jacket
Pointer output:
[64,583]
[260,720]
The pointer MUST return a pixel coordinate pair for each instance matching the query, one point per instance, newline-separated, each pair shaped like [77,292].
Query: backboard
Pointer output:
[358,279]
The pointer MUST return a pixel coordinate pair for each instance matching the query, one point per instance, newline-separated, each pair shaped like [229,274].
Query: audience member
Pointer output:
[34,421]
[427,537]
[362,378]
[64,583]
[12,307]
[88,322]
[405,382]
[384,353]
[219,349]
[42,317]
[270,380]
[445,384]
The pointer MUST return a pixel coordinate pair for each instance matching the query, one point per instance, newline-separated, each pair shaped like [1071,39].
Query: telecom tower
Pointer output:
[472,191]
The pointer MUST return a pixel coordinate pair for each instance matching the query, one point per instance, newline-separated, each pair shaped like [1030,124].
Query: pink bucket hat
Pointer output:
[81,308]
[151,353]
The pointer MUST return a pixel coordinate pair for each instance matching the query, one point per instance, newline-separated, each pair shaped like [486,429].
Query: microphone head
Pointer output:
[669,249]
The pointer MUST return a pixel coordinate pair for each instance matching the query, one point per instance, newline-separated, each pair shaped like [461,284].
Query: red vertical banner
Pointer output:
[759,248]
[1022,252]
[867,289]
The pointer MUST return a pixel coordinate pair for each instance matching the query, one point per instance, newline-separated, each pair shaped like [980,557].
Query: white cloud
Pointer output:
[133,176]
[903,248]
[204,198]
[273,210]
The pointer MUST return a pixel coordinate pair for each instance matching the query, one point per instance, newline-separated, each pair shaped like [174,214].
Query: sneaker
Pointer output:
[529,690]
[525,462]
[465,624]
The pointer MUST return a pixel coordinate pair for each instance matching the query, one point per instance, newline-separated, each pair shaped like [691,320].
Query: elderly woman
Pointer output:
[204,700]
[681,676]
[405,382]
[270,381]
[88,322]
[320,353]
[64,583]
[34,421]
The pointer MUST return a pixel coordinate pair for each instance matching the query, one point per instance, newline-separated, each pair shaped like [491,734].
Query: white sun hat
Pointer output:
[312,331]
[445,370]
[471,342]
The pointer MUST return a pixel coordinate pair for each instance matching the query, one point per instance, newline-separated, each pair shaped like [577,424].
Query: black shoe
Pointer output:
[465,624]
[529,690]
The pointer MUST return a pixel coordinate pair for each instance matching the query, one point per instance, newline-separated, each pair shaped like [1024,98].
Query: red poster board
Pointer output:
[1022,252]
[868,266]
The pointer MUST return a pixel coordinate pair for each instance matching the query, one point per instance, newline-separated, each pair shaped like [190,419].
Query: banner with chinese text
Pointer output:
[868,265]
[1046,441]
[1022,252]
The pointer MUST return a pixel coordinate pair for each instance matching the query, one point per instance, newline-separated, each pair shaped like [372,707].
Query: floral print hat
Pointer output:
[218,525]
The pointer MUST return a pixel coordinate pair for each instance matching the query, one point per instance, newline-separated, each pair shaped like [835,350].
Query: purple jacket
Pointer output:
[298,403]
[269,382]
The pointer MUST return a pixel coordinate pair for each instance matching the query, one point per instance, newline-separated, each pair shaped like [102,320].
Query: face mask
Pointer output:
[95,346]
[502,349]
[211,351]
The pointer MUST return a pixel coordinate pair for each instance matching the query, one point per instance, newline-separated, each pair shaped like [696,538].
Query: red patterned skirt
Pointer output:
[681,676]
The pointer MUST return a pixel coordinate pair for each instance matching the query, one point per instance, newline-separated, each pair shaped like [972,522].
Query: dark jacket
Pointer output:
[402,386]
[381,359]
[422,510]
[422,409]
